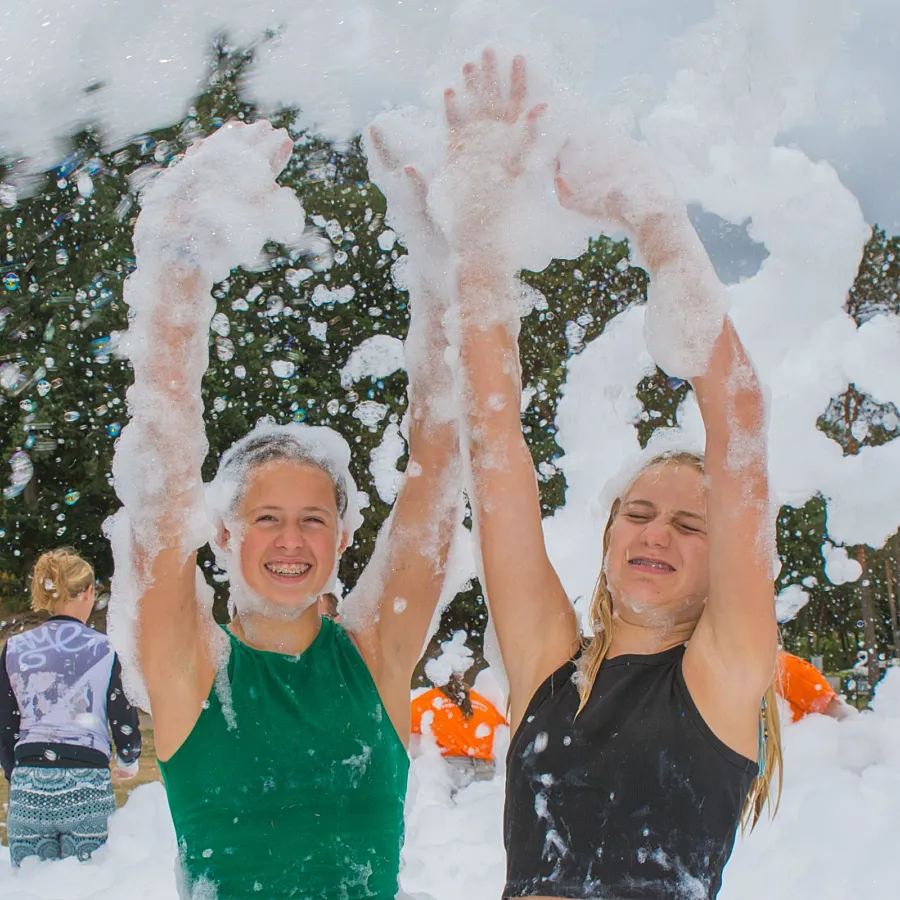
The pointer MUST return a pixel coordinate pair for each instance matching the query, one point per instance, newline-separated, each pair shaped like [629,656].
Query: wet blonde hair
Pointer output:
[766,786]
[59,576]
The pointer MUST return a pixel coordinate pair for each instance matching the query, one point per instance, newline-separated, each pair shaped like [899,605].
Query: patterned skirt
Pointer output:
[58,812]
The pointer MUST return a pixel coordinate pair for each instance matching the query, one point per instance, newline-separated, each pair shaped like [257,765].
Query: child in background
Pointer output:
[462,721]
[805,689]
[60,693]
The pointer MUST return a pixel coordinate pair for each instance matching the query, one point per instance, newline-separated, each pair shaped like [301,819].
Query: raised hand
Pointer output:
[406,191]
[215,209]
[491,134]
[610,177]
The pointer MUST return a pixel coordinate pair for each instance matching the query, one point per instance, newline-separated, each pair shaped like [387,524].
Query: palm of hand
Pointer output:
[485,123]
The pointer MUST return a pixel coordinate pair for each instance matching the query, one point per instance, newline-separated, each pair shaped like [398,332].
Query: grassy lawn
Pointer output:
[149,771]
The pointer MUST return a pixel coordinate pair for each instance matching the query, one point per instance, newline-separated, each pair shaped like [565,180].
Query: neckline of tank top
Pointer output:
[326,624]
[646,659]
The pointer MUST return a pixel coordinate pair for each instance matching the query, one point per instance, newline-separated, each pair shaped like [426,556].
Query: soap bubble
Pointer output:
[224,348]
[114,429]
[62,257]
[300,415]
[22,468]
[282,368]
[71,416]
[71,498]
[11,376]
[11,281]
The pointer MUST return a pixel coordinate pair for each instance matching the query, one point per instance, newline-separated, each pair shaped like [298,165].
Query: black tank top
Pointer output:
[635,800]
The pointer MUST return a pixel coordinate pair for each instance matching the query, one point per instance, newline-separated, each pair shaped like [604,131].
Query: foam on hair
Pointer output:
[270,442]
[59,576]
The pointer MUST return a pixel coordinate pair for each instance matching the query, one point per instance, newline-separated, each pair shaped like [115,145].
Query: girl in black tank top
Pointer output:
[628,782]
[634,798]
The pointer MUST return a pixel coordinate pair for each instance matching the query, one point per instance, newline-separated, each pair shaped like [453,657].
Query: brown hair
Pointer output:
[457,690]
[59,576]
[596,650]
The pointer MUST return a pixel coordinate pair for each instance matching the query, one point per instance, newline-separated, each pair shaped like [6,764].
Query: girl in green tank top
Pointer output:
[302,755]
[281,738]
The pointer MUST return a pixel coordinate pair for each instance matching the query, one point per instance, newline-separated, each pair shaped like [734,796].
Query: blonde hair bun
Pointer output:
[59,576]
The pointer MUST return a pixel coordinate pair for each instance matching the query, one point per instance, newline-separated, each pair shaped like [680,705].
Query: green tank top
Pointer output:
[295,787]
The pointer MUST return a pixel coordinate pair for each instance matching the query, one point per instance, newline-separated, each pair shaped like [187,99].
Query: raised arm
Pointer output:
[394,602]
[730,661]
[189,235]
[491,133]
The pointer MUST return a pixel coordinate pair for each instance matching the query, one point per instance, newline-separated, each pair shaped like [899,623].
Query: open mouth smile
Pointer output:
[651,565]
[294,571]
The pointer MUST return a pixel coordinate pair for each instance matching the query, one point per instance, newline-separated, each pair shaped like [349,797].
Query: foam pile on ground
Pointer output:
[833,838]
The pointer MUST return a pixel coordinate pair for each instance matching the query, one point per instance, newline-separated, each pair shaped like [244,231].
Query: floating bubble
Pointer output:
[22,468]
[123,207]
[62,257]
[100,346]
[282,368]
[8,196]
[11,281]
[43,388]
[224,348]
[56,383]
[220,325]
[299,415]
[71,416]
[72,497]
[85,184]
[333,406]
[28,406]
[12,491]
[29,441]
[114,429]
[49,331]
[11,376]
[220,404]
[240,372]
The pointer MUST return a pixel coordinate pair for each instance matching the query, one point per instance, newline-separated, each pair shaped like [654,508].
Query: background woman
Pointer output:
[631,763]
[60,695]
[281,739]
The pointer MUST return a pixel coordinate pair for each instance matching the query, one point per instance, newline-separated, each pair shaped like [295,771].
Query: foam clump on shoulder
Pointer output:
[314,444]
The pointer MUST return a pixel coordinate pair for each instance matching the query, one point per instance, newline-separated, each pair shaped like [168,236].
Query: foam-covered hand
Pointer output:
[405,190]
[615,179]
[491,134]
[216,208]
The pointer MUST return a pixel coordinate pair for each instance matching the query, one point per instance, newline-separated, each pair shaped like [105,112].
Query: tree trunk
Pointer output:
[867,608]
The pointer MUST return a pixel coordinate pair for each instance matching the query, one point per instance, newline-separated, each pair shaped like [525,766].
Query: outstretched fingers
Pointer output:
[529,137]
[451,111]
[489,83]
[518,89]
[419,185]
[388,160]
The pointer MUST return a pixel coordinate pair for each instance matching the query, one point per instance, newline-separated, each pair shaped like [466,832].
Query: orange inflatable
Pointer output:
[803,686]
[455,734]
